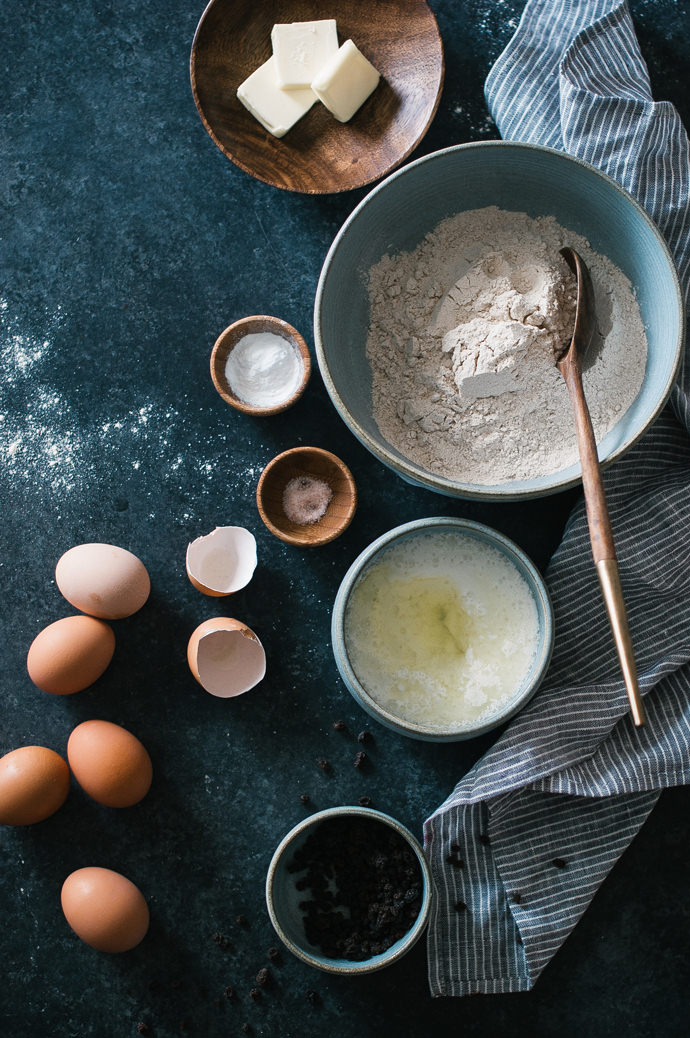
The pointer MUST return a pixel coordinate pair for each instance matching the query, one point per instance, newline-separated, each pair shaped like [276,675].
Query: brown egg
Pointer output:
[34,783]
[70,654]
[109,763]
[103,580]
[105,909]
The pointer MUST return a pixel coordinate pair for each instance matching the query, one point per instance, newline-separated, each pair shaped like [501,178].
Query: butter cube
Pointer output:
[278,110]
[345,82]
[301,49]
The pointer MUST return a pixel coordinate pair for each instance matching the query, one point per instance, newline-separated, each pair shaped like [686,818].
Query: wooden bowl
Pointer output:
[227,341]
[306,461]
[320,155]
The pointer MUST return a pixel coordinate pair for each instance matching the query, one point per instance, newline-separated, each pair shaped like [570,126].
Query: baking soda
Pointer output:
[264,369]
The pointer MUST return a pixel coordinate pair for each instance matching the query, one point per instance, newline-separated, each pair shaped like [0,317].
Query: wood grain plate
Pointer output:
[320,155]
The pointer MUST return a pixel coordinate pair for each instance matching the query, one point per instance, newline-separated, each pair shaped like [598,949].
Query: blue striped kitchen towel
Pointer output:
[544,816]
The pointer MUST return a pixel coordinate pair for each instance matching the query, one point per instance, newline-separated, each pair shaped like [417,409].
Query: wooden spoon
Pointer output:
[601,536]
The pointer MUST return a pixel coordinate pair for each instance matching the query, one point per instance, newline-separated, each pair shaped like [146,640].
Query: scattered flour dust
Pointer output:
[53,448]
[462,341]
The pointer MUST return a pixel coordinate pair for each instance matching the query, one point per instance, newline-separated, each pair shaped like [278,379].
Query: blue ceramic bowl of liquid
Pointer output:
[518,633]
[404,208]
[283,897]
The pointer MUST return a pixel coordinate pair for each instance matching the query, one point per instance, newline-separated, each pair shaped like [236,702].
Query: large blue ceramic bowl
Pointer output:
[539,181]
[465,530]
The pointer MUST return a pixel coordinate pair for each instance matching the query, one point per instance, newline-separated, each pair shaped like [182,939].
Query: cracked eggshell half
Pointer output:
[103,580]
[226,657]
[222,562]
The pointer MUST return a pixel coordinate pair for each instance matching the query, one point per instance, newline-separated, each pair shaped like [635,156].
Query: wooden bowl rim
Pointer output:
[244,325]
[304,541]
[357,182]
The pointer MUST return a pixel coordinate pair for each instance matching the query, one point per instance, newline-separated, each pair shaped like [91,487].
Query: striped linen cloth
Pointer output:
[520,847]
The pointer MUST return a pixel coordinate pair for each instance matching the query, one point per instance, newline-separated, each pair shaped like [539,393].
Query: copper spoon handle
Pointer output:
[601,536]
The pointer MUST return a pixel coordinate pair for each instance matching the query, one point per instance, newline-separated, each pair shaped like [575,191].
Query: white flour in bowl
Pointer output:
[461,345]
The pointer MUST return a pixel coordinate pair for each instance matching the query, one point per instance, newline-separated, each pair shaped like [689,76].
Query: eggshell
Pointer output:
[226,657]
[70,654]
[34,783]
[105,909]
[222,562]
[103,580]
[109,763]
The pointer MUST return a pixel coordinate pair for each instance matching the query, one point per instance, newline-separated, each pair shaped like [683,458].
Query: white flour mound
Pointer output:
[462,341]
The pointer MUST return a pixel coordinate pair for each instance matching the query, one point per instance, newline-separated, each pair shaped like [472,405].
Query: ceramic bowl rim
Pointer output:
[413,472]
[343,966]
[538,589]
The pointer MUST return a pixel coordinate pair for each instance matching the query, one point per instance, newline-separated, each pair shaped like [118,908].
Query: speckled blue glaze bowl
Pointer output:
[282,897]
[539,181]
[464,528]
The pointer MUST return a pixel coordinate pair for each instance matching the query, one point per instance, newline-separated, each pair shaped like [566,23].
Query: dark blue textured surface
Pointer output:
[129,242]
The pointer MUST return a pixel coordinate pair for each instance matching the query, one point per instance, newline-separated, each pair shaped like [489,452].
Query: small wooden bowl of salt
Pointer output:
[306,496]
[260,365]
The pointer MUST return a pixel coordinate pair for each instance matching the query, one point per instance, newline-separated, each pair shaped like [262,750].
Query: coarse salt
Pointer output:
[305,499]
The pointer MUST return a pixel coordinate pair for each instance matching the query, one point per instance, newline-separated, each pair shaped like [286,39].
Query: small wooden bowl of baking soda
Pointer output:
[306,496]
[260,365]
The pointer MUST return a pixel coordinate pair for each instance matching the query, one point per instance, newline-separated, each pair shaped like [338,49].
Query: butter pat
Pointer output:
[278,110]
[345,82]
[301,49]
